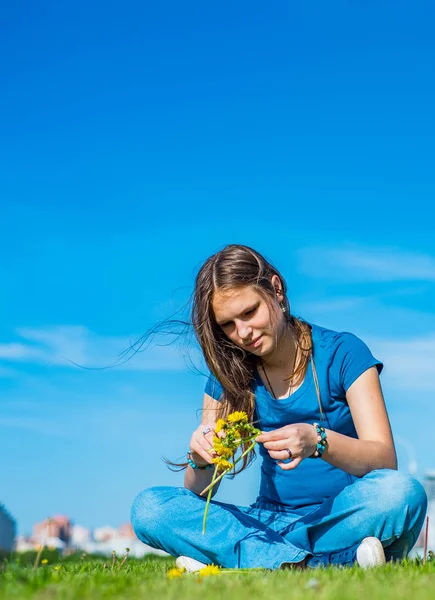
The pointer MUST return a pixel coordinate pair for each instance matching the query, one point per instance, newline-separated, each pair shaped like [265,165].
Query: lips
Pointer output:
[254,342]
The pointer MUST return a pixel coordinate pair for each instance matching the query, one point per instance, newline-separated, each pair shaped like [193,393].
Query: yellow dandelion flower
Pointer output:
[220,448]
[209,570]
[223,451]
[219,425]
[222,463]
[237,416]
[175,572]
[44,561]
[57,568]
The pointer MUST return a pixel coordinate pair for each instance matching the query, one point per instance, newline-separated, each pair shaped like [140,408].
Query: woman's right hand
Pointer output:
[201,443]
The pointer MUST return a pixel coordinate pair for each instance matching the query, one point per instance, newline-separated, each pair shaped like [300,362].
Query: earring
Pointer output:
[283,308]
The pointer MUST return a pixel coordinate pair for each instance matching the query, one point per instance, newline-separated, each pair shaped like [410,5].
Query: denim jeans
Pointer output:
[386,504]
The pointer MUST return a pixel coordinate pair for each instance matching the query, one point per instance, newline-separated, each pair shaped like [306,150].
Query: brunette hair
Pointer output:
[237,266]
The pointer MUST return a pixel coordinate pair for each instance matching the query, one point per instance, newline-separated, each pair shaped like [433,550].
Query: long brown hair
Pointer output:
[237,266]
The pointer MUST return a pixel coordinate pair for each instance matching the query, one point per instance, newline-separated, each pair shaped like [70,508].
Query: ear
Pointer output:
[276,282]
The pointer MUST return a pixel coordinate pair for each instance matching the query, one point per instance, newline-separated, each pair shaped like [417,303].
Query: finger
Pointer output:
[278,445]
[205,445]
[290,465]
[207,430]
[198,451]
[204,437]
[269,436]
[280,454]
[202,450]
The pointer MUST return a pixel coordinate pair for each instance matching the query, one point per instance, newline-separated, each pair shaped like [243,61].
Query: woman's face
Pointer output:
[245,318]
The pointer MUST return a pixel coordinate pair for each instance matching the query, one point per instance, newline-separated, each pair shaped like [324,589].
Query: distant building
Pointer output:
[105,534]
[429,486]
[79,536]
[24,544]
[55,531]
[126,531]
[7,530]
[58,532]
[108,539]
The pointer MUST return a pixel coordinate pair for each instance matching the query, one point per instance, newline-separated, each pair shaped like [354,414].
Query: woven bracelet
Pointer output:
[322,441]
[193,464]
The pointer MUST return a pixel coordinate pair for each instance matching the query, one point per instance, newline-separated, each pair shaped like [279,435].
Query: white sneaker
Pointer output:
[370,553]
[190,564]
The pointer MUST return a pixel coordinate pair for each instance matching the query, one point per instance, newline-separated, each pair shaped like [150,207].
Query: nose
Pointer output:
[244,330]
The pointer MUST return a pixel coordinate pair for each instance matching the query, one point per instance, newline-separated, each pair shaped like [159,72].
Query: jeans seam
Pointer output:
[299,556]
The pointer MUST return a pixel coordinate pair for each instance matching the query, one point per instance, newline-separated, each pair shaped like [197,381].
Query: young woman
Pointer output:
[327,496]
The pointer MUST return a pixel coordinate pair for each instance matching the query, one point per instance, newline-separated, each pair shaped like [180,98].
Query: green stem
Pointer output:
[38,556]
[214,481]
[207,504]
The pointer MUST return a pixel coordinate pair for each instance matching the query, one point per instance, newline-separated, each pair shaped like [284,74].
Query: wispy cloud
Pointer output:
[409,363]
[333,304]
[71,345]
[19,351]
[362,264]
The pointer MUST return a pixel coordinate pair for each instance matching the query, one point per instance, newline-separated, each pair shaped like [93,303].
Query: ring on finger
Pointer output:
[206,430]
[290,453]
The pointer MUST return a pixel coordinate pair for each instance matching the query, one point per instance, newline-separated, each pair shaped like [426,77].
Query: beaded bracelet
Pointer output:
[321,441]
[193,464]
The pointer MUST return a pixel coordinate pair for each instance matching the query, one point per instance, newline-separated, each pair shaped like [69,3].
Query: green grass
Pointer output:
[89,579]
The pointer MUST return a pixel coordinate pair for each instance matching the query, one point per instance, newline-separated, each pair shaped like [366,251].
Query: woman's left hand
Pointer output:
[300,439]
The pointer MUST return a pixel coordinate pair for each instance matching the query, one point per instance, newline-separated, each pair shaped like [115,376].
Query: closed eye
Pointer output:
[247,313]
[225,324]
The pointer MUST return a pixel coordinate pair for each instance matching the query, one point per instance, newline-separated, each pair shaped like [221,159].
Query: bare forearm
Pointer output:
[358,457]
[197,480]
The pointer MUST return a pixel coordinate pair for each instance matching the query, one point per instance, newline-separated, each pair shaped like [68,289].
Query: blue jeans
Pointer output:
[386,504]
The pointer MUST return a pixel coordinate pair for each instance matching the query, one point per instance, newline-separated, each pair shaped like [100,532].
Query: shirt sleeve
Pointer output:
[213,388]
[351,359]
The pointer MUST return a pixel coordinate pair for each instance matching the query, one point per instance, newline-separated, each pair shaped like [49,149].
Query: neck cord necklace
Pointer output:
[291,378]
[268,382]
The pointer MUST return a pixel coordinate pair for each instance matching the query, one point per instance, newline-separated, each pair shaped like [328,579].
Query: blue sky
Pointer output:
[138,139]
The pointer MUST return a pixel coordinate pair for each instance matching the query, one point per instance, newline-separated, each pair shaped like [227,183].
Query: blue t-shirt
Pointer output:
[339,359]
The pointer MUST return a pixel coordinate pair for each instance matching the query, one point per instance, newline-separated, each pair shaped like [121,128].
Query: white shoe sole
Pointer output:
[190,564]
[370,553]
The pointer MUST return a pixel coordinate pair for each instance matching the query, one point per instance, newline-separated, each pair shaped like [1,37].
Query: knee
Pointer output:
[398,490]
[148,512]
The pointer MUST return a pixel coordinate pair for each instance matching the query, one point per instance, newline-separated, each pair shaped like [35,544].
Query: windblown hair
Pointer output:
[235,267]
